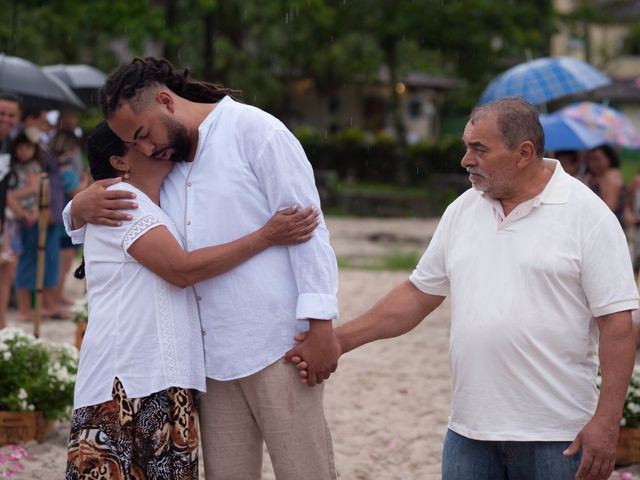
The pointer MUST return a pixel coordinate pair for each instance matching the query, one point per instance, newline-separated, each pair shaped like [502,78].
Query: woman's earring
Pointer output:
[126,175]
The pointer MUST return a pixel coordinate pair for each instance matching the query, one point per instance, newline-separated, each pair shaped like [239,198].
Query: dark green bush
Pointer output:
[379,158]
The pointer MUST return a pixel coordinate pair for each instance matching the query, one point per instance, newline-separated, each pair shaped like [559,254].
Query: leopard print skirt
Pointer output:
[154,437]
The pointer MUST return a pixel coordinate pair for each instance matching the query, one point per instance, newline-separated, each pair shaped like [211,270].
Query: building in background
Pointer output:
[605,33]
[366,105]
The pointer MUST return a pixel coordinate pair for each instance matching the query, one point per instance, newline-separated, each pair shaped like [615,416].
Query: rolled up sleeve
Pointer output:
[77,235]
[287,179]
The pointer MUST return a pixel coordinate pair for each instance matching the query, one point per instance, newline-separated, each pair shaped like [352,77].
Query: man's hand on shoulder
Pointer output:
[100,206]
[316,356]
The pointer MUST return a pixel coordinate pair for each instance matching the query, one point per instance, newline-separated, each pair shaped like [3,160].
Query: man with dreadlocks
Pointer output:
[235,166]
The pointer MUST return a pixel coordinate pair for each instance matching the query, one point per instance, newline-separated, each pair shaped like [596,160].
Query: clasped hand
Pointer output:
[316,355]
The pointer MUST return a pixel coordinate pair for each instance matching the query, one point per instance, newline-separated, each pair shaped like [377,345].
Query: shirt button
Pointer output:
[188,184]
[188,222]
[199,298]
[204,333]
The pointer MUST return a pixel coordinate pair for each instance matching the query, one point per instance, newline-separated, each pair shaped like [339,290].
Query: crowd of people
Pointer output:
[32,145]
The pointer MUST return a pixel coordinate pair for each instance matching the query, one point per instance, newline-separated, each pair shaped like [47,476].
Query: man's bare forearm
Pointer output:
[617,357]
[395,314]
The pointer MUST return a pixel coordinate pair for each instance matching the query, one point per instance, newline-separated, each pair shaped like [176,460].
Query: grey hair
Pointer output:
[517,120]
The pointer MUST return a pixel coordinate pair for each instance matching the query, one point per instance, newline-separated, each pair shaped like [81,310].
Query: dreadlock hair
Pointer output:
[102,144]
[127,83]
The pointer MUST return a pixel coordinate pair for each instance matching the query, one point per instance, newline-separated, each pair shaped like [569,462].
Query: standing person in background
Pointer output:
[9,118]
[632,219]
[570,161]
[23,200]
[55,230]
[605,179]
[27,187]
[66,146]
[35,118]
[68,122]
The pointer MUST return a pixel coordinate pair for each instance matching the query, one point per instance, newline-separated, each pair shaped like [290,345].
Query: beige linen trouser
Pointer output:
[270,405]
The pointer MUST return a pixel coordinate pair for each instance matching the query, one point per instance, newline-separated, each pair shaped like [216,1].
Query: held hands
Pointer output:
[598,440]
[100,206]
[316,356]
[290,226]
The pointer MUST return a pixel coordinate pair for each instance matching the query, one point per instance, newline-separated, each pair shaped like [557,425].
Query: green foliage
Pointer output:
[631,410]
[394,261]
[259,46]
[80,310]
[354,155]
[74,31]
[442,156]
[36,376]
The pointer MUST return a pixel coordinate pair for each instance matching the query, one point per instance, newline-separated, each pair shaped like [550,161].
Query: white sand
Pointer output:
[387,404]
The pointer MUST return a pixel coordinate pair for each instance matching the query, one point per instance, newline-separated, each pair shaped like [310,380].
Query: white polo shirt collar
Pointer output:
[556,191]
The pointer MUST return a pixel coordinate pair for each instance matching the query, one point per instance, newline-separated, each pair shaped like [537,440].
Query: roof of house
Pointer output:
[618,10]
[422,80]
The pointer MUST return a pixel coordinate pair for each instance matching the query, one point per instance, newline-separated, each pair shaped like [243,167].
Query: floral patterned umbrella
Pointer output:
[565,133]
[612,124]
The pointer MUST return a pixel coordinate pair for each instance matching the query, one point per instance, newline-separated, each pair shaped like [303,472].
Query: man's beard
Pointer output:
[180,142]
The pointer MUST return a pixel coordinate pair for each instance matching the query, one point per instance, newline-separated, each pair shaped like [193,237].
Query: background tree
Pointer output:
[261,46]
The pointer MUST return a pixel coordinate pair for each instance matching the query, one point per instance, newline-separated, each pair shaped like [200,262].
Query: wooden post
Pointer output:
[43,222]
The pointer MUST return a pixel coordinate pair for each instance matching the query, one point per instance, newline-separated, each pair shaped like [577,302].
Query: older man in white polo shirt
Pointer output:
[538,271]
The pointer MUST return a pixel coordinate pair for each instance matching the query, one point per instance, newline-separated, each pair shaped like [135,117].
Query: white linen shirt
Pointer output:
[141,328]
[524,290]
[247,167]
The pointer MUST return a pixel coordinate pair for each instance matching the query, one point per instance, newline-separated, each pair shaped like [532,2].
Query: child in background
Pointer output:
[23,201]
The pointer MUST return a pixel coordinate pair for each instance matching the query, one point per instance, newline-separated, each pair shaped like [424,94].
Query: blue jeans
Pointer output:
[467,459]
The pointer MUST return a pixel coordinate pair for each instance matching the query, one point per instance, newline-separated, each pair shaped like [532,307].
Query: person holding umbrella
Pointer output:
[605,179]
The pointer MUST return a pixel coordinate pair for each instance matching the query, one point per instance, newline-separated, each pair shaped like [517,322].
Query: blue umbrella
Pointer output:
[544,79]
[562,133]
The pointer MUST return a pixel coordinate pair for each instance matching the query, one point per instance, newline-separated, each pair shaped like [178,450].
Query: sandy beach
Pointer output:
[387,405]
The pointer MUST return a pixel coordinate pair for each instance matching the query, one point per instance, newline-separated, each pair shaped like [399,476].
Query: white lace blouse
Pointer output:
[141,329]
